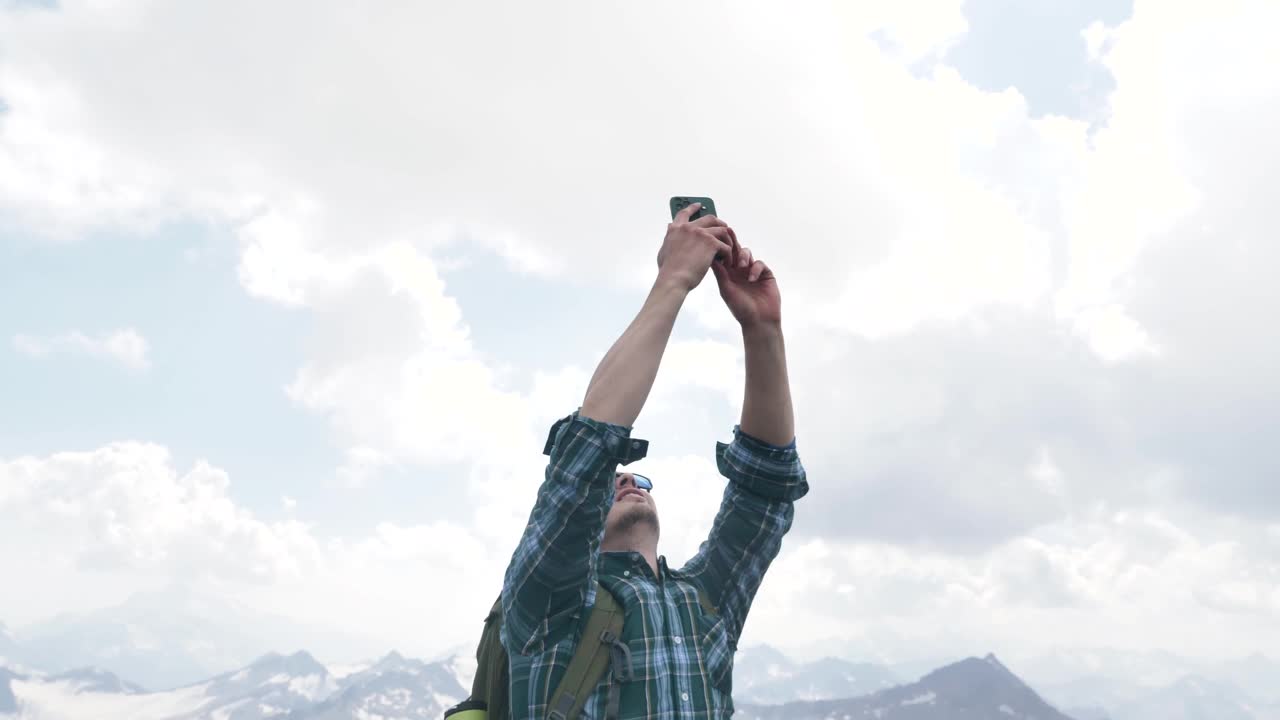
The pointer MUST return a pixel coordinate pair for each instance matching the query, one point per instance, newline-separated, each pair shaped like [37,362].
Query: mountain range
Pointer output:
[167,639]
[972,689]
[764,676]
[298,687]
[288,687]
[82,667]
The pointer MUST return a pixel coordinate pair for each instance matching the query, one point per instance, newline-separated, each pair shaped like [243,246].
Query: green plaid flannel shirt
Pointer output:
[682,656]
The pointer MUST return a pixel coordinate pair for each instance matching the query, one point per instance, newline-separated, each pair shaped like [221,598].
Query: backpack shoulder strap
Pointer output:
[490,685]
[705,602]
[598,645]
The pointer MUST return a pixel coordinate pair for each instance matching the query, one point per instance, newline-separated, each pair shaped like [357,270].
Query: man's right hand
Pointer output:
[691,246]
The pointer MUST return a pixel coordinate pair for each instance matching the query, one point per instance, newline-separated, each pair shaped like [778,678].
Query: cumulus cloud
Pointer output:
[123,518]
[1021,346]
[126,347]
[124,507]
[1119,580]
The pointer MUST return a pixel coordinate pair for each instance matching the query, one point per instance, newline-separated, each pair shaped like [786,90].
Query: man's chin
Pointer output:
[633,515]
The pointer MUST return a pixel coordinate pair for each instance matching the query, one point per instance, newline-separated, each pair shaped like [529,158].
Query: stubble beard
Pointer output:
[633,517]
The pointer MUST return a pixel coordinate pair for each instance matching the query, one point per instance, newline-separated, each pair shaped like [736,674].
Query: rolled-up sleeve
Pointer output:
[755,513]
[547,583]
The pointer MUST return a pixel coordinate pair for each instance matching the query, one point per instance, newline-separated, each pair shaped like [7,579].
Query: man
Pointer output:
[592,523]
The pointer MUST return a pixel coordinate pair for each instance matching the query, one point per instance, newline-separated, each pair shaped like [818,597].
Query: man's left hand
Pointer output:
[750,289]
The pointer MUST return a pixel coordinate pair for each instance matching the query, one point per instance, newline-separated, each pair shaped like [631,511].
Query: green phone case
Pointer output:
[680,202]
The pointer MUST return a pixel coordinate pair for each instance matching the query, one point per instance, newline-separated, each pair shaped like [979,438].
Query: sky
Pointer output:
[290,294]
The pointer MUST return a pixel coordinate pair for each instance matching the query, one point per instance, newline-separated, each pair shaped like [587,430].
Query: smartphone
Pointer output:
[680,202]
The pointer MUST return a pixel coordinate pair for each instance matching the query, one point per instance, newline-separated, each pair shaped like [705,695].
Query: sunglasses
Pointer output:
[643,482]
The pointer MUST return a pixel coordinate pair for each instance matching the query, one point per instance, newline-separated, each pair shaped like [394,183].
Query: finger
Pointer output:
[725,250]
[721,272]
[758,268]
[745,258]
[722,237]
[687,212]
[710,221]
[723,234]
[737,246]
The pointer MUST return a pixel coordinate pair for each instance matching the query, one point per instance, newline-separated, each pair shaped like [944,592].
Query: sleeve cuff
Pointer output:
[771,471]
[757,444]
[616,439]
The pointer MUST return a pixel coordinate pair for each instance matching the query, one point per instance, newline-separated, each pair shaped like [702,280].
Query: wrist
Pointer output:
[667,284]
[761,331]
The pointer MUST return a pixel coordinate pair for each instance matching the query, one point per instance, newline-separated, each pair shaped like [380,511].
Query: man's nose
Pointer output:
[626,480]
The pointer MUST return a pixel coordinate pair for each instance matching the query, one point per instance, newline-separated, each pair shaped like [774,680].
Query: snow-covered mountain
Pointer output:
[395,687]
[762,675]
[1141,669]
[6,639]
[92,679]
[293,687]
[9,651]
[1256,674]
[1097,683]
[1092,712]
[297,687]
[1198,698]
[1100,692]
[1101,696]
[272,686]
[8,702]
[972,689]
[1191,697]
[268,688]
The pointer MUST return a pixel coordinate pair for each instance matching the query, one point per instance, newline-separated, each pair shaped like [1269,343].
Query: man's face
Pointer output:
[631,506]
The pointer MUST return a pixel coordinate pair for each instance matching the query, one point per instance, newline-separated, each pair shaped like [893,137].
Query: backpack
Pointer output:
[598,649]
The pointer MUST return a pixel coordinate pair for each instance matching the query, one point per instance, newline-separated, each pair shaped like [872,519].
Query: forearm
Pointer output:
[767,413]
[622,381]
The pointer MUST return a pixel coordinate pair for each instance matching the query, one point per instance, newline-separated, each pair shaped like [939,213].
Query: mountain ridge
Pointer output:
[970,689]
[297,686]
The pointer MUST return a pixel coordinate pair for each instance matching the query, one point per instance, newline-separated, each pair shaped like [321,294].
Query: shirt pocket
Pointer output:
[713,637]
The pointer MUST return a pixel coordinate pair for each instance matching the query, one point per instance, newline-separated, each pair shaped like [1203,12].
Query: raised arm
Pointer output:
[552,570]
[622,380]
[763,468]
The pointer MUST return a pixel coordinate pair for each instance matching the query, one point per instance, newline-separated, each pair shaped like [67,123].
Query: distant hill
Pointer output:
[279,687]
[8,701]
[972,689]
[395,687]
[767,685]
[92,679]
[161,640]
[764,676]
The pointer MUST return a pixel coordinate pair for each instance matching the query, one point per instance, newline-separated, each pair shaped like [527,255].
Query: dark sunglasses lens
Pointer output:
[643,482]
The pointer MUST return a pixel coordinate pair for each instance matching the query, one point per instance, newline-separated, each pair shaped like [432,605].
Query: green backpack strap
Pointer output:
[491,687]
[598,648]
[705,602]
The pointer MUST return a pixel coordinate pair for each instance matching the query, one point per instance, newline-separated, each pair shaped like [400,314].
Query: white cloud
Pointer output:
[1120,582]
[1113,334]
[122,518]
[124,507]
[362,466]
[126,347]
[124,511]
[1016,343]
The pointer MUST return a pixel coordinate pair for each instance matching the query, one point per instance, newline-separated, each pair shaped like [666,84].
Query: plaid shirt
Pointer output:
[682,656]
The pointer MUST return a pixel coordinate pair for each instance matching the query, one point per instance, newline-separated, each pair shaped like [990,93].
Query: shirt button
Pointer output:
[626,573]
[679,640]
[684,697]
